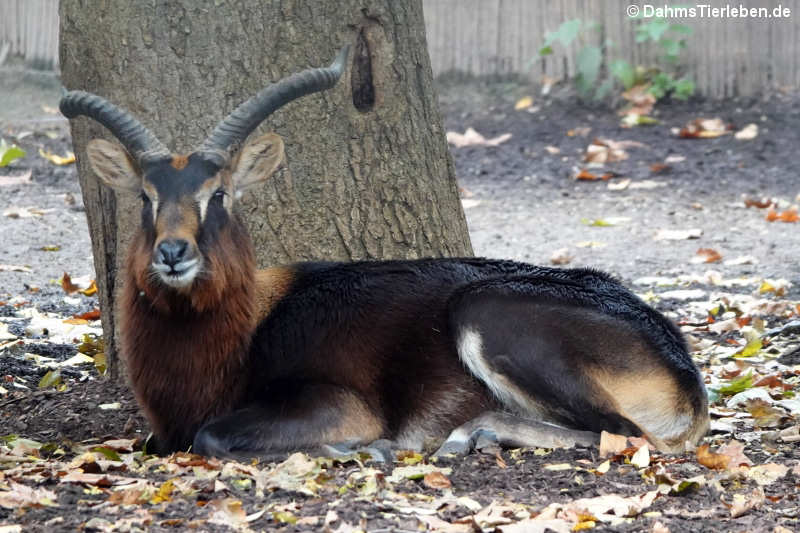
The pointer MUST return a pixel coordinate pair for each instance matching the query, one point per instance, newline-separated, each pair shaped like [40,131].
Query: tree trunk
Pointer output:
[369,172]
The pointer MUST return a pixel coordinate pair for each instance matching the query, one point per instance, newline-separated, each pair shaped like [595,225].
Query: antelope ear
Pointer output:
[257,161]
[113,165]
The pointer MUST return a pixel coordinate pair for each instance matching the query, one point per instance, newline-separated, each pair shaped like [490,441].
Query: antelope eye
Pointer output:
[219,194]
[144,197]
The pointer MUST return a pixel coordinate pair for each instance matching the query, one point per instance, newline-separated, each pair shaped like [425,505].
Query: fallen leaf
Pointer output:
[14,268]
[641,100]
[744,503]
[620,185]
[763,413]
[584,174]
[468,203]
[13,181]
[24,212]
[789,215]
[67,285]
[473,138]
[579,132]
[415,472]
[706,255]
[761,203]
[20,496]
[57,159]
[436,480]
[602,150]
[709,459]
[703,128]
[647,184]
[611,443]
[561,257]
[94,314]
[747,133]
[227,512]
[523,103]
[660,168]
[641,459]
[678,234]
[735,451]
[768,473]
[605,222]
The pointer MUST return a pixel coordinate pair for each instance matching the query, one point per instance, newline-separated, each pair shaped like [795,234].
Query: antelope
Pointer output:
[234,362]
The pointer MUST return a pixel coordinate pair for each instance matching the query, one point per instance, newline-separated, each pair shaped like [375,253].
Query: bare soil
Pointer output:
[522,203]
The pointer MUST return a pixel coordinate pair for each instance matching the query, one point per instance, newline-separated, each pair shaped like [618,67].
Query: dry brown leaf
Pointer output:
[434,523]
[707,255]
[584,174]
[660,168]
[641,100]
[611,443]
[67,285]
[473,138]
[743,503]
[436,480]
[735,451]
[21,496]
[763,413]
[704,128]
[768,473]
[761,203]
[709,459]
[789,215]
[94,314]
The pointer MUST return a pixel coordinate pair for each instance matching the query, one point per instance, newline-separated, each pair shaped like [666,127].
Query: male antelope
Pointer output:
[235,361]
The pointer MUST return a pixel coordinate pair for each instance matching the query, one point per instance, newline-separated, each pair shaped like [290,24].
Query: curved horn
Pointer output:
[138,140]
[235,128]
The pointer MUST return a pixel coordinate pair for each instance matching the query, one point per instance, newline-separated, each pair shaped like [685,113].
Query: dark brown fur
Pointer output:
[185,353]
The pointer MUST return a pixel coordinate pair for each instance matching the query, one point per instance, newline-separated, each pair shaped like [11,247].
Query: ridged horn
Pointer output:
[138,140]
[234,129]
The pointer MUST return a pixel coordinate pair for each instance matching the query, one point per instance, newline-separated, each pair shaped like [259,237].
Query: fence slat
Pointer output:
[725,57]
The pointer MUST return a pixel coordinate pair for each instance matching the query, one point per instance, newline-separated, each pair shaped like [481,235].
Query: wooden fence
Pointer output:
[725,56]
[29,28]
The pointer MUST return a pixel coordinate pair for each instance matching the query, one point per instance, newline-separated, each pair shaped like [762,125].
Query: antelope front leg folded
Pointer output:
[239,362]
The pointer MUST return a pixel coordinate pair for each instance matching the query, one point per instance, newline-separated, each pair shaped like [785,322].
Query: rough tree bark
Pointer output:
[369,174]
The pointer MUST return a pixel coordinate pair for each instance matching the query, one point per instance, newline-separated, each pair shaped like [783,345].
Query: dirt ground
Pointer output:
[521,202]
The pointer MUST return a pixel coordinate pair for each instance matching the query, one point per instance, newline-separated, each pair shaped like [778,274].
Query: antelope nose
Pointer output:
[172,251]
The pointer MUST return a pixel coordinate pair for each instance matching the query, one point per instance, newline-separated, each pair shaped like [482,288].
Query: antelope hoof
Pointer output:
[462,443]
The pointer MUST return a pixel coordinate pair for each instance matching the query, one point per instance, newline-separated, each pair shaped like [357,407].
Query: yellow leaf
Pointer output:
[751,348]
[284,517]
[75,321]
[51,379]
[57,159]
[90,290]
[580,526]
[523,103]
[164,492]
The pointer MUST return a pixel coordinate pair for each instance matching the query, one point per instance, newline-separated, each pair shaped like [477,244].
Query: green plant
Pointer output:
[668,37]
[589,59]
[8,154]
